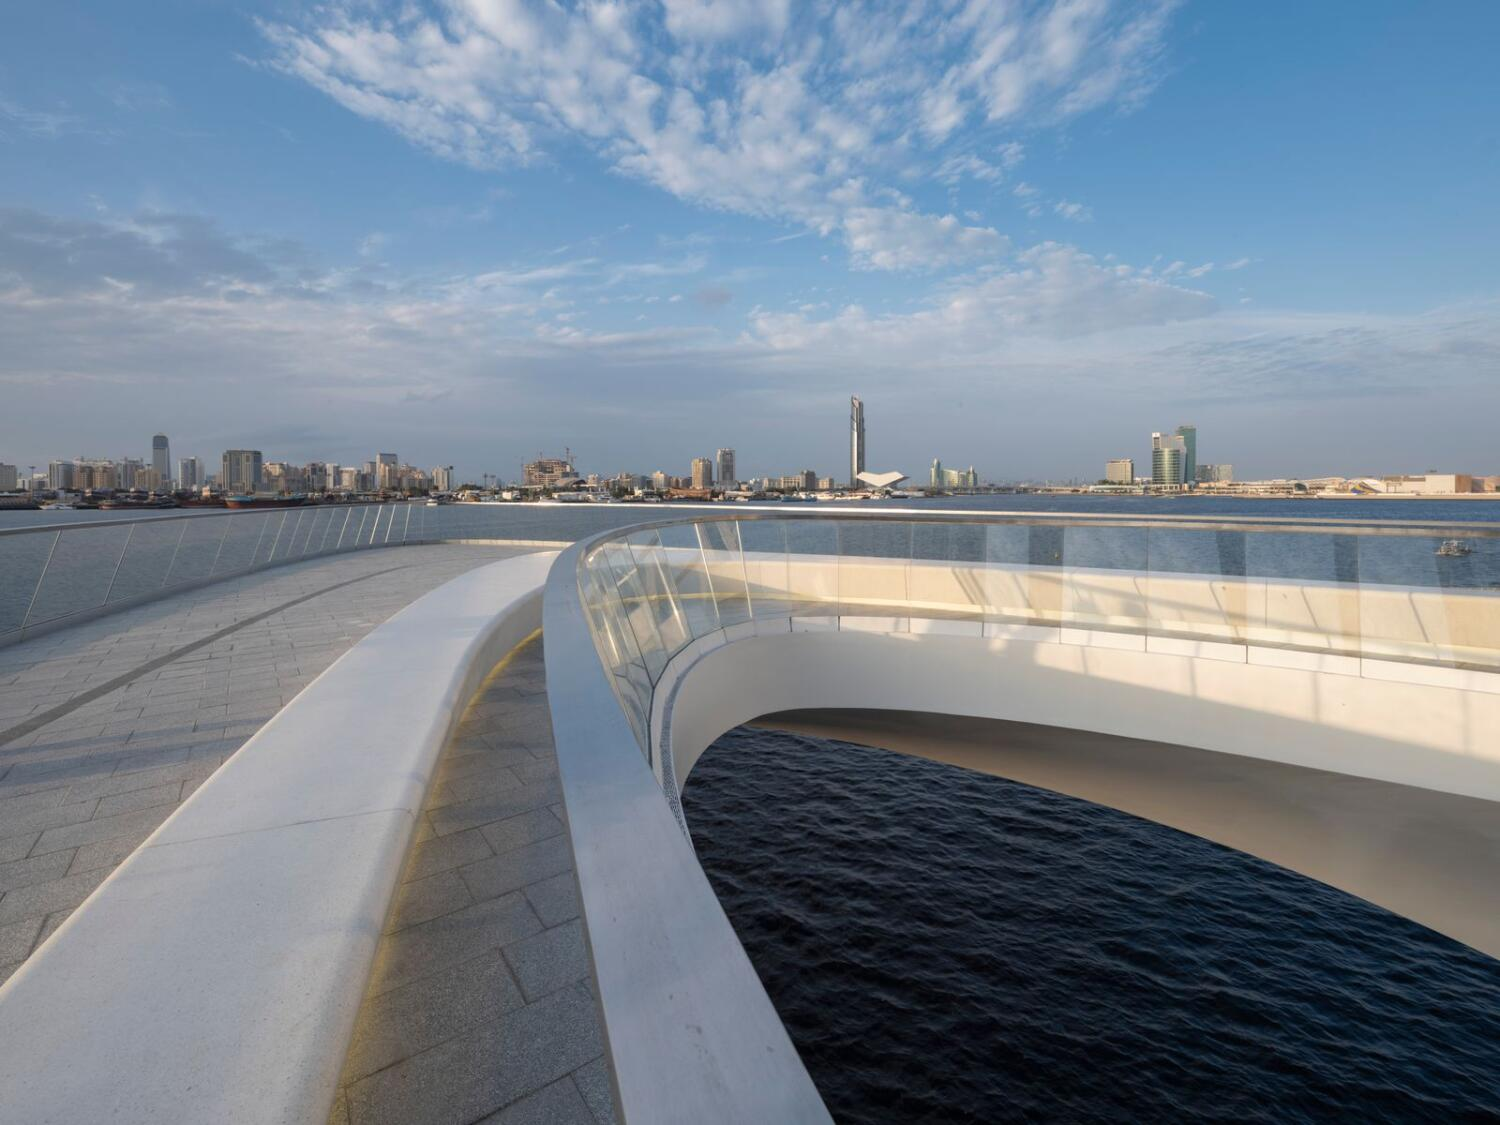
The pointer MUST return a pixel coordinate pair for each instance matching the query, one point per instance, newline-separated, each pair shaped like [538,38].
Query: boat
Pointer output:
[57,506]
[295,500]
[1453,549]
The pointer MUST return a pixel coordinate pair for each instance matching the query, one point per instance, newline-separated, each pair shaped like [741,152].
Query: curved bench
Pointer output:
[217,973]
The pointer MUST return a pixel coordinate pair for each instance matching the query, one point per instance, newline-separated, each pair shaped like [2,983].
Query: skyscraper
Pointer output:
[856,440]
[703,472]
[1168,451]
[1189,436]
[1121,470]
[189,473]
[161,459]
[724,468]
[241,470]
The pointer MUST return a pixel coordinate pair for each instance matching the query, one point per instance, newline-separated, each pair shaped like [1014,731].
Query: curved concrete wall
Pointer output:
[1443,738]
[217,973]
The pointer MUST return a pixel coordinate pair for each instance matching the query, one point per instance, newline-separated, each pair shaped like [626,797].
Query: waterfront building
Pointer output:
[148,479]
[161,460]
[547,472]
[242,470]
[442,478]
[1189,435]
[856,440]
[387,471]
[659,481]
[129,470]
[349,479]
[7,478]
[827,484]
[702,475]
[60,475]
[1215,474]
[952,478]
[1168,452]
[189,473]
[724,468]
[1120,470]
[1430,484]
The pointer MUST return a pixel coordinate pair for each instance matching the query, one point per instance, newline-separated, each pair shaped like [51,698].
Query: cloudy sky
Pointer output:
[1027,233]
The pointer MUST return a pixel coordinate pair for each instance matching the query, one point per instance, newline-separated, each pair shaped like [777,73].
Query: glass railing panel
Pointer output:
[1021,582]
[724,561]
[23,558]
[764,543]
[1430,598]
[630,593]
[812,554]
[240,535]
[268,542]
[616,644]
[689,574]
[197,548]
[947,577]
[1196,588]
[147,557]
[1104,577]
[77,572]
[659,592]
[874,557]
[1302,590]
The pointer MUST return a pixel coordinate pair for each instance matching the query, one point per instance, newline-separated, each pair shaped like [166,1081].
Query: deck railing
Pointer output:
[1396,591]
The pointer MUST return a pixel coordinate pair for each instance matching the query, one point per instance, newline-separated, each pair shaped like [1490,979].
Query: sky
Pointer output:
[1027,234]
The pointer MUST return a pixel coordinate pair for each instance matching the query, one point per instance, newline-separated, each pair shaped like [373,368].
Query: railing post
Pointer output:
[108,590]
[406,527]
[337,547]
[264,521]
[214,566]
[280,527]
[37,589]
[167,574]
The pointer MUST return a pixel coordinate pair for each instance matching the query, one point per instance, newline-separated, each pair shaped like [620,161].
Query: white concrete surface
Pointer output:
[215,976]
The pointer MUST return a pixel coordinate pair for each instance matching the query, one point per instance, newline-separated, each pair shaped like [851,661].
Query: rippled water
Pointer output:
[947,946]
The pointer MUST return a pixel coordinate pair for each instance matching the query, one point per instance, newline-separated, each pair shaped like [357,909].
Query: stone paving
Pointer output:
[106,727]
[480,1006]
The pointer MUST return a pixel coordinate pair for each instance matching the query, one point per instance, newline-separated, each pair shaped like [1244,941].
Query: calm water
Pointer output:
[946,946]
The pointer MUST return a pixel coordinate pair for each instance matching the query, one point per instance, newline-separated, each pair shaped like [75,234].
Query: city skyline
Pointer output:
[1122,215]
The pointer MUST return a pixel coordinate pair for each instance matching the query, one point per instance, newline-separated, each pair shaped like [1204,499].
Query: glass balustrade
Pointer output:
[1372,592]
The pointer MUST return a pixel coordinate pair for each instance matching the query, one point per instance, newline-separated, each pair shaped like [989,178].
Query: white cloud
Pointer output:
[884,238]
[1073,212]
[744,105]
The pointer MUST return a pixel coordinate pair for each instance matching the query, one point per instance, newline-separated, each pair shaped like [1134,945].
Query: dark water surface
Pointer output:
[948,946]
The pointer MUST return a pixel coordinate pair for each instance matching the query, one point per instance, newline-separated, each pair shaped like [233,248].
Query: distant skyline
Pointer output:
[1026,235]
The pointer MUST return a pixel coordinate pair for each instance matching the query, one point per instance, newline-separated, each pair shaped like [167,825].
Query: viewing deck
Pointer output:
[108,726]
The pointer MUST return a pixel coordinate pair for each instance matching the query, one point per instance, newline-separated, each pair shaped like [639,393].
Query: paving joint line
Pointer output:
[37,722]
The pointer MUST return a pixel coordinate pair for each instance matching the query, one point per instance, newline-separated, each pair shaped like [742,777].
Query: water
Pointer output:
[947,946]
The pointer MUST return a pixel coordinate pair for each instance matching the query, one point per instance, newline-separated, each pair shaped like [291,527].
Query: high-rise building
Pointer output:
[60,475]
[856,440]
[659,481]
[724,468]
[1189,436]
[703,473]
[387,471]
[242,470]
[1120,470]
[1215,474]
[7,478]
[161,460]
[1168,452]
[189,473]
[442,478]
[349,479]
[952,478]
[129,468]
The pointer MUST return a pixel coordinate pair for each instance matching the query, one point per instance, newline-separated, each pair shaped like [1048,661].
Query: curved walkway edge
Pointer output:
[215,976]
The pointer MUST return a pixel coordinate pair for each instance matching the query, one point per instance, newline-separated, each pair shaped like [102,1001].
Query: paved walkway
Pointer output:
[480,1007]
[106,727]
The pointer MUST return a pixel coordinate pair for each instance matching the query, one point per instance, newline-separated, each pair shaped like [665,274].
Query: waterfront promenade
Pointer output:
[107,726]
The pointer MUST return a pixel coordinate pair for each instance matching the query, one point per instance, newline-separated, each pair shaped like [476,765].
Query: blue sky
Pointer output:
[1026,233]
